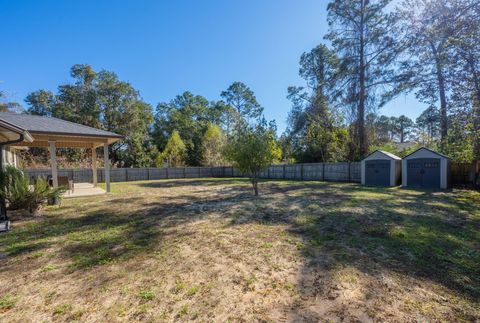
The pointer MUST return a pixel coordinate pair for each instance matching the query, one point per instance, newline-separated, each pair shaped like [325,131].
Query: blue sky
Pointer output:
[166,47]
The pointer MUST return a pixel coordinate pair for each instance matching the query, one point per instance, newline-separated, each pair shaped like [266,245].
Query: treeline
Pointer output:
[188,130]
[373,52]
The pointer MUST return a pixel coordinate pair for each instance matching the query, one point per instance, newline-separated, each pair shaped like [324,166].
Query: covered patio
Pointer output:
[53,133]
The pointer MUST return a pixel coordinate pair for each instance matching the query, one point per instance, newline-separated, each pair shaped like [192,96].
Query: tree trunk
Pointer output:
[255,186]
[476,140]
[476,107]
[476,173]
[476,118]
[443,98]
[362,138]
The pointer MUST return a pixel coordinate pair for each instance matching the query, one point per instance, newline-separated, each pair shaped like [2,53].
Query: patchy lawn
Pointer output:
[208,250]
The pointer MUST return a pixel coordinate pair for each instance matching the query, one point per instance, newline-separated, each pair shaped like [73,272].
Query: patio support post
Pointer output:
[94,166]
[107,167]
[53,163]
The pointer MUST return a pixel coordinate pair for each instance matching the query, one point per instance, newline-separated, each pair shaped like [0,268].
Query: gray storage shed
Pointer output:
[425,168]
[381,168]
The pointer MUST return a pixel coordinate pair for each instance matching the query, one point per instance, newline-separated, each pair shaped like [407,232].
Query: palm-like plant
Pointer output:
[40,193]
[14,187]
[19,194]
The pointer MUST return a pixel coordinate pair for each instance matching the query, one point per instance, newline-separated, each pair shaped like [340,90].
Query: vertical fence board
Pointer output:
[462,173]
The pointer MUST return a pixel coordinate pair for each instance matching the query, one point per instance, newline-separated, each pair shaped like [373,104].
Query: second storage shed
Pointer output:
[425,168]
[381,168]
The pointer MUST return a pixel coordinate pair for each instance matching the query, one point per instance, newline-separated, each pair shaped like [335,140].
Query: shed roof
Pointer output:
[392,156]
[53,126]
[427,149]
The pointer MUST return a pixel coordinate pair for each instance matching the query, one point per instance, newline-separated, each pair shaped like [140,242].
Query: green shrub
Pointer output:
[19,194]
[40,193]
[14,187]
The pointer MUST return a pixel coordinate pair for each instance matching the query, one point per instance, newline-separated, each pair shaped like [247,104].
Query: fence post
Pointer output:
[167,172]
[268,171]
[184,172]
[284,175]
[323,171]
[349,172]
[301,171]
[148,173]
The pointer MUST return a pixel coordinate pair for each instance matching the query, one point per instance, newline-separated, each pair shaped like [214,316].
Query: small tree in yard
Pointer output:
[252,150]
[174,152]
[214,141]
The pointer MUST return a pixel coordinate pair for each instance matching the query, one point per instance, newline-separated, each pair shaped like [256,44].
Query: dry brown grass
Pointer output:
[208,250]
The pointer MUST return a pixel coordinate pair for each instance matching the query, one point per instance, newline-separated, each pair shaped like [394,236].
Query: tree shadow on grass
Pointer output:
[101,235]
[424,234]
[118,229]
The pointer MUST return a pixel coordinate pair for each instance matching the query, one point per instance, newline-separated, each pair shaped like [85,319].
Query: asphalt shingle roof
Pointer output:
[48,125]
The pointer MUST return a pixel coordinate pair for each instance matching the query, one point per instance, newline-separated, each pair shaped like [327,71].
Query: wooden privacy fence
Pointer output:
[461,173]
[336,172]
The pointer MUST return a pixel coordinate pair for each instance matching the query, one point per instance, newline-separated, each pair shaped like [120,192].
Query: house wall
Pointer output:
[8,157]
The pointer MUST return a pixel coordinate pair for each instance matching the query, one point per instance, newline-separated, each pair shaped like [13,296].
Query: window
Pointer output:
[414,165]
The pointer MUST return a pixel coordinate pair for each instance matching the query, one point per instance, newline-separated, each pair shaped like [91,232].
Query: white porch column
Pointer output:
[53,163]
[107,167]
[94,165]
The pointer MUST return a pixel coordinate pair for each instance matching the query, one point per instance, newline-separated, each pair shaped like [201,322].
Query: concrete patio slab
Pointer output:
[84,189]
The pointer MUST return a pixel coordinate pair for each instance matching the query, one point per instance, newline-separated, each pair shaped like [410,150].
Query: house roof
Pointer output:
[432,151]
[53,126]
[9,132]
[395,157]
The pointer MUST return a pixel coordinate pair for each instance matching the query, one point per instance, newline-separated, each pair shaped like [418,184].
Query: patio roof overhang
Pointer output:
[10,132]
[53,133]
[67,141]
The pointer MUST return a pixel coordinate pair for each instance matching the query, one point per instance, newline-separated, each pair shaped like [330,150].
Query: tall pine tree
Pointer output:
[361,34]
